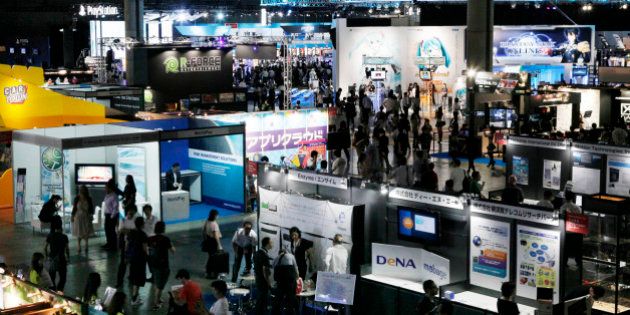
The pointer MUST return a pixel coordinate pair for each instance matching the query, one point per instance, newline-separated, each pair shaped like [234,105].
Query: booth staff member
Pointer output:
[262,269]
[173,178]
[429,305]
[301,249]
[337,256]
[243,244]
[111,215]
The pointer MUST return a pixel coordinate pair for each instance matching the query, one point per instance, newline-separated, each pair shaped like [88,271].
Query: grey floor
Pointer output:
[18,243]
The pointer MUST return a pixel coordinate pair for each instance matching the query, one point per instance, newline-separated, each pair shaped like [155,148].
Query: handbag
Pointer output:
[205,244]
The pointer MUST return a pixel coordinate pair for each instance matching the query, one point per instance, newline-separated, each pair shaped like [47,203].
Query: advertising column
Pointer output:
[489,252]
[537,261]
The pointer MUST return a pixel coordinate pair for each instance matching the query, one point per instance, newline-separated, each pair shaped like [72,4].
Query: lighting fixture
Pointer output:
[587,7]
[624,6]
[397,11]
[537,5]
[513,5]
[384,190]
[220,16]
[370,11]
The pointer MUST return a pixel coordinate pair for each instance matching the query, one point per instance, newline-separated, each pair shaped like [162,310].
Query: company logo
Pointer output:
[435,270]
[395,262]
[16,94]
[175,199]
[99,10]
[192,64]
[408,223]
[528,44]
[52,159]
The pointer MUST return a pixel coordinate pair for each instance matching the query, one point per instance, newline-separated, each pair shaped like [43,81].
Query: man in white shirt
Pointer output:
[457,175]
[243,243]
[339,164]
[547,200]
[337,256]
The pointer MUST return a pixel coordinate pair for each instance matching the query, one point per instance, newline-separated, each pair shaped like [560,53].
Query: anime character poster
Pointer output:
[562,44]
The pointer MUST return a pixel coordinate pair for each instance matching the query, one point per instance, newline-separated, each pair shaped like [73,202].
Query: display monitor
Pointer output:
[96,174]
[497,117]
[418,225]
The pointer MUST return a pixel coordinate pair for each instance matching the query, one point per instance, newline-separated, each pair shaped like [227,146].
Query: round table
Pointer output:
[240,293]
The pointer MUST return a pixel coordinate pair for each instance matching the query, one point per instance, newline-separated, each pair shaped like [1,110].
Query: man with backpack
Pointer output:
[285,272]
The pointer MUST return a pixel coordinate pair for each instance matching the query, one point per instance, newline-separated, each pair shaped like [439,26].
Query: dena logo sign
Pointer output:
[16,94]
[396,262]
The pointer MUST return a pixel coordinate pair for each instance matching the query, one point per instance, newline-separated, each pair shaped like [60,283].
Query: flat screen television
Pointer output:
[497,117]
[418,225]
[94,174]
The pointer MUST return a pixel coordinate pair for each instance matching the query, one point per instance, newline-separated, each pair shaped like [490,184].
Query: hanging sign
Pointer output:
[512,212]
[318,179]
[98,10]
[448,201]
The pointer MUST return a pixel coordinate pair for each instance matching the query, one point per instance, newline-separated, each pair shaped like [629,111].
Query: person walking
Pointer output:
[491,147]
[158,260]
[58,253]
[149,220]
[285,273]
[110,209]
[439,124]
[243,243]
[212,237]
[82,214]
[262,271]
[426,136]
[127,224]
[344,133]
[136,250]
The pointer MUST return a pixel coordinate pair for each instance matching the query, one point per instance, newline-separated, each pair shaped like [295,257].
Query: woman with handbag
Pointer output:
[81,219]
[211,241]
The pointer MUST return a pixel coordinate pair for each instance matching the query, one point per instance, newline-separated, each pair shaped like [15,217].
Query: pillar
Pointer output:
[68,48]
[136,57]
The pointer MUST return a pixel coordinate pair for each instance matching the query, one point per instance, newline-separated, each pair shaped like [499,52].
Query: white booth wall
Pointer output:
[29,156]
[589,101]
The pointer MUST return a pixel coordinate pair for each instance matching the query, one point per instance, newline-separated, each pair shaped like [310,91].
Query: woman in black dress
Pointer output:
[301,249]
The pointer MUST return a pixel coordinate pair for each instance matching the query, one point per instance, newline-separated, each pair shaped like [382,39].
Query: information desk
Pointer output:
[191,181]
[175,205]
[406,294]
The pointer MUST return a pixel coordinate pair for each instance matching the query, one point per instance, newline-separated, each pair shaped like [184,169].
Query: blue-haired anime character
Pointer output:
[433,47]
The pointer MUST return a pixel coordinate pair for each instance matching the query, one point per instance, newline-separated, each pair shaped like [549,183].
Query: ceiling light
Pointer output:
[537,5]
[220,16]
[513,5]
[624,6]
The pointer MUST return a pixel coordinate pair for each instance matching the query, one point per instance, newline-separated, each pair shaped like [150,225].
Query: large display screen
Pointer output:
[497,117]
[561,44]
[94,173]
[418,225]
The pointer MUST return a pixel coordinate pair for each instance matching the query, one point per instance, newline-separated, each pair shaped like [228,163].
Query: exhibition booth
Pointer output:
[20,297]
[56,161]
[468,247]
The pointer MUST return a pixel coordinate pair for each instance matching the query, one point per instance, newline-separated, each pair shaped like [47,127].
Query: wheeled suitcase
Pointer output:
[221,263]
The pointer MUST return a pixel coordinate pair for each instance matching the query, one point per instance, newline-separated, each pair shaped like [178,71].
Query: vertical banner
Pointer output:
[520,168]
[551,174]
[489,252]
[20,190]
[537,261]
[132,161]
[51,172]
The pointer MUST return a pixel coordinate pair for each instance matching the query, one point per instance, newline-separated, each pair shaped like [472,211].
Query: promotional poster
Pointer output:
[551,174]
[586,172]
[131,161]
[537,261]
[51,172]
[618,176]
[520,169]
[489,252]
[560,44]
[289,134]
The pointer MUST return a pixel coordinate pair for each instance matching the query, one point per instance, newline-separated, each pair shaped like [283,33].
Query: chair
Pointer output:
[97,222]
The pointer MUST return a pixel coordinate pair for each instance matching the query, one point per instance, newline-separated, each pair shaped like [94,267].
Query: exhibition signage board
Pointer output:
[537,261]
[586,172]
[318,179]
[557,44]
[576,223]
[514,212]
[319,221]
[414,264]
[489,252]
[335,288]
[551,174]
[601,149]
[16,94]
[447,201]
[520,169]
[618,175]
[540,143]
